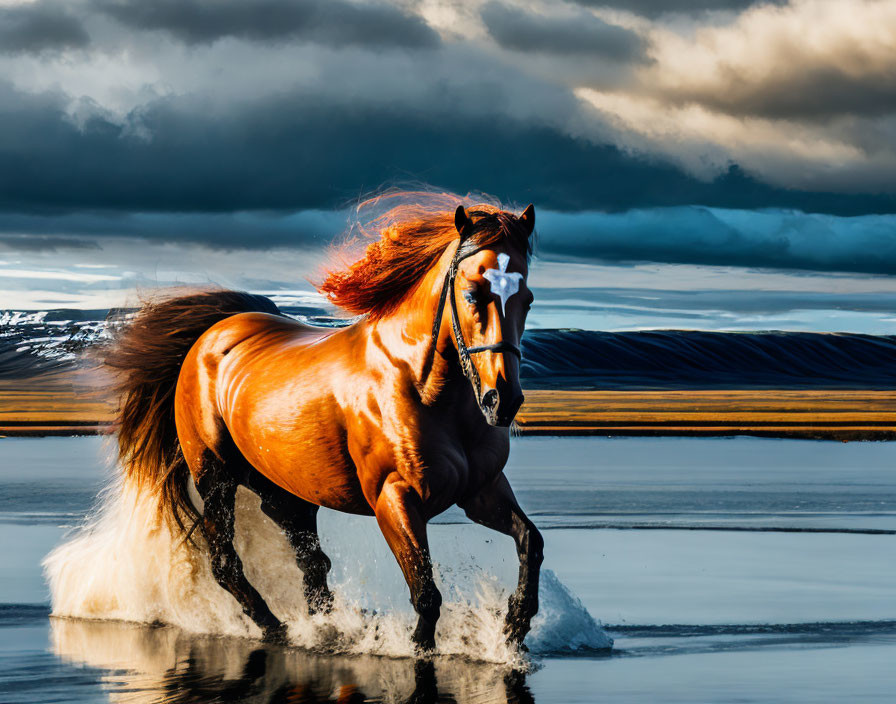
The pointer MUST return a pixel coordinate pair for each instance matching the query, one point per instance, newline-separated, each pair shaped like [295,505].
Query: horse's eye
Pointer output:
[471,296]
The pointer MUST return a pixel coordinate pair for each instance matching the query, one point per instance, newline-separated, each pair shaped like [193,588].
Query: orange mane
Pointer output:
[407,236]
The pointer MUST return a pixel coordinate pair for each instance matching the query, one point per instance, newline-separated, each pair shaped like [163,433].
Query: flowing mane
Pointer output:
[405,242]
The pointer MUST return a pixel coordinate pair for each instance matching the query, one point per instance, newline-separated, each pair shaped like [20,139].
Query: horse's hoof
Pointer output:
[424,639]
[516,634]
[424,647]
[517,644]
[320,603]
[276,635]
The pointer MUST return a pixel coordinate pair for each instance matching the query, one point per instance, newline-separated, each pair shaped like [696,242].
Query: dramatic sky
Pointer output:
[694,163]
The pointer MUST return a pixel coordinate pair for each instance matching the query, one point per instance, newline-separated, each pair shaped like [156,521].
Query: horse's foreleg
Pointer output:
[496,507]
[218,491]
[298,520]
[398,515]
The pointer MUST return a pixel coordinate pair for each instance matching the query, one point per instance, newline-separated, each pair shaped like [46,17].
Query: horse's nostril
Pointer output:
[490,398]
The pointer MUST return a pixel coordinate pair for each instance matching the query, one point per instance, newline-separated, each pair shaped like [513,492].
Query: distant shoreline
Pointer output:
[78,403]
[824,414]
[838,434]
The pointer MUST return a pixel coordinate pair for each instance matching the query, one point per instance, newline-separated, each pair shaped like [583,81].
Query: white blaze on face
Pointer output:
[503,283]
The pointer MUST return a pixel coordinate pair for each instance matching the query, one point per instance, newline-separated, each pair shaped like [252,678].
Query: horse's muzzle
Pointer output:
[500,409]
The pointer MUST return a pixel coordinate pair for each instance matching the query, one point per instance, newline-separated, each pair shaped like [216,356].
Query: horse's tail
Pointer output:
[146,353]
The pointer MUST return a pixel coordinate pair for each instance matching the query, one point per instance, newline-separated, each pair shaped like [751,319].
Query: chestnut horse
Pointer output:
[399,415]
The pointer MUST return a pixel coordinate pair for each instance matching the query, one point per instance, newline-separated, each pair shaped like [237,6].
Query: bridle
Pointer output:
[467,248]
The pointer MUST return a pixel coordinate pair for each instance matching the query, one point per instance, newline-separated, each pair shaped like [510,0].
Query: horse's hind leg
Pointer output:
[298,520]
[217,487]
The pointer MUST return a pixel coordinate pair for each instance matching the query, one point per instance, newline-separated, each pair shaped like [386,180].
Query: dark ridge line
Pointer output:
[678,630]
[701,359]
[733,529]
[570,359]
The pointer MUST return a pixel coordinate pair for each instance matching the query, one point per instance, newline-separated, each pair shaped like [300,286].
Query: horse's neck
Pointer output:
[407,339]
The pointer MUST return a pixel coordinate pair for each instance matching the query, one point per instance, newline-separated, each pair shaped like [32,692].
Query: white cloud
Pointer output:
[706,142]
[768,45]
[802,95]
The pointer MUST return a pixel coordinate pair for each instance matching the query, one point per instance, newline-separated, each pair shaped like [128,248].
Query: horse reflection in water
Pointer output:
[400,416]
[163,664]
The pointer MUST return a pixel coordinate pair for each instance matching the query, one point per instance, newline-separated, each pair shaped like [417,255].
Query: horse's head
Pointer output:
[492,301]
[483,298]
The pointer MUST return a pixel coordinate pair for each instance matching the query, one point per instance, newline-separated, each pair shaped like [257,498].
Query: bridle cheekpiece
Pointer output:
[465,249]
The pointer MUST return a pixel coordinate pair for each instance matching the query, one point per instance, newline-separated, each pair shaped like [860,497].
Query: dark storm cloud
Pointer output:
[656,8]
[694,235]
[258,230]
[39,27]
[331,22]
[37,243]
[307,152]
[582,34]
[784,240]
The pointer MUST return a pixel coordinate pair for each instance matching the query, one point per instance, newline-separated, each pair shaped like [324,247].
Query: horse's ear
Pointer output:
[528,219]
[463,223]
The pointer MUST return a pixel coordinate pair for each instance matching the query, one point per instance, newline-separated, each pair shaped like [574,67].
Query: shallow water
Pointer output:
[676,545]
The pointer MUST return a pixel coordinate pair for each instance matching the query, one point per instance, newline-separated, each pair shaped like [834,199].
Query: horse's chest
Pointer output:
[484,465]
[477,464]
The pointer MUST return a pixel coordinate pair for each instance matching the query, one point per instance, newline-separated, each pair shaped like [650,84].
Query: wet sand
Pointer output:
[79,403]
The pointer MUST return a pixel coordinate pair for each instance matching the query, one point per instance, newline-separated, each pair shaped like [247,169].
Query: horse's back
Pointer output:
[225,335]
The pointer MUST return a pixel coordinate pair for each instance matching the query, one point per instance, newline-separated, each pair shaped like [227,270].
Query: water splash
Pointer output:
[125,564]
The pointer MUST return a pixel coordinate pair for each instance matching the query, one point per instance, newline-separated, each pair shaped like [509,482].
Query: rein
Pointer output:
[464,250]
